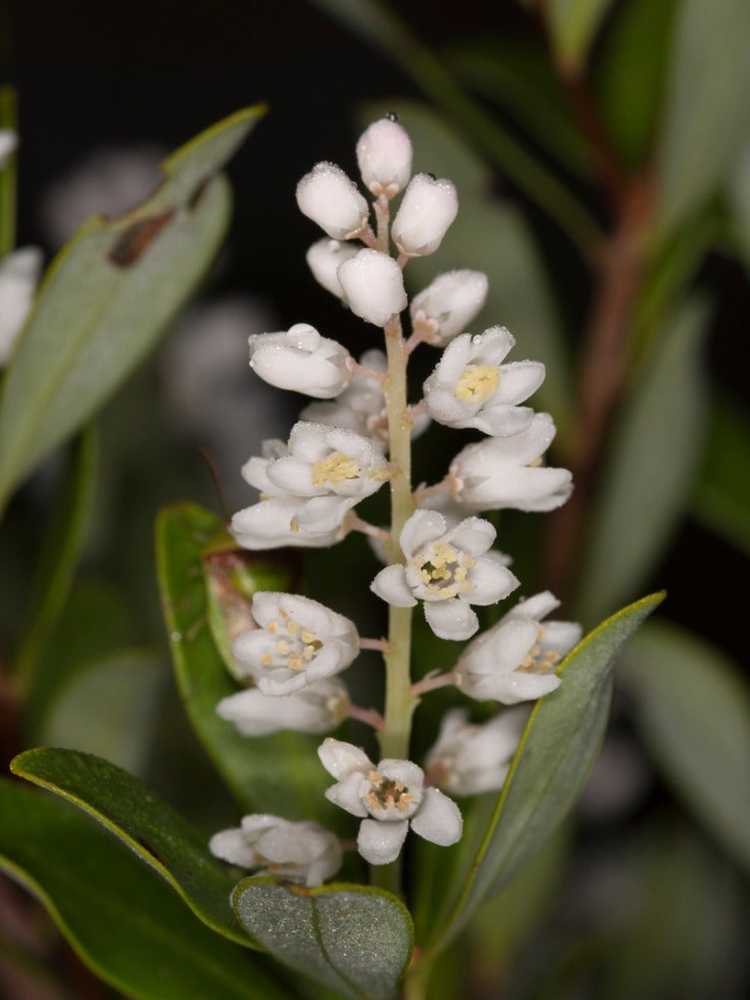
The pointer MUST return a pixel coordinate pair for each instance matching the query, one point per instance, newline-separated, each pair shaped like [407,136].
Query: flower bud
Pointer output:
[450,303]
[384,157]
[374,286]
[318,708]
[301,360]
[428,208]
[330,198]
[324,259]
[8,144]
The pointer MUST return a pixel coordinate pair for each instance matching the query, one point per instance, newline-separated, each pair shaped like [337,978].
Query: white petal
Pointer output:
[341,759]
[324,259]
[562,636]
[391,586]
[452,301]
[474,535]
[491,581]
[439,819]
[452,619]
[422,526]
[521,686]
[518,381]
[502,421]
[538,606]
[346,794]
[405,771]
[455,358]
[380,843]
[491,347]
[231,846]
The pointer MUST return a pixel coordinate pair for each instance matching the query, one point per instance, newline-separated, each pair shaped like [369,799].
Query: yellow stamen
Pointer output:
[335,468]
[477,383]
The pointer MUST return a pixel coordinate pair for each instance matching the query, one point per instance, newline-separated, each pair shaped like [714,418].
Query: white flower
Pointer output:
[331,467]
[427,209]
[516,659]
[389,799]
[469,759]
[301,852]
[280,521]
[384,156]
[471,388]
[373,286]
[8,145]
[302,360]
[19,274]
[324,259]
[318,708]
[361,406]
[449,569]
[327,196]
[447,306]
[507,472]
[298,642]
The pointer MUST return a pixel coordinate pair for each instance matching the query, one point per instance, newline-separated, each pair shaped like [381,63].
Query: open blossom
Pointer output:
[280,521]
[327,196]
[515,660]
[301,360]
[507,472]
[425,214]
[389,798]
[8,145]
[361,406]
[384,156]
[447,306]
[317,708]
[300,852]
[332,467]
[449,569]
[324,259]
[19,274]
[470,386]
[373,285]
[298,641]
[468,758]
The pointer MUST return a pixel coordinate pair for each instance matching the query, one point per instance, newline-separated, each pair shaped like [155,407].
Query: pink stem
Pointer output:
[433,683]
[356,523]
[367,715]
[380,645]
[357,369]
[427,491]
[368,237]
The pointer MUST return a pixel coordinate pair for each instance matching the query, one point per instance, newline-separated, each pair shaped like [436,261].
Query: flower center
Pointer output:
[335,468]
[295,646]
[539,660]
[477,383]
[385,793]
[445,570]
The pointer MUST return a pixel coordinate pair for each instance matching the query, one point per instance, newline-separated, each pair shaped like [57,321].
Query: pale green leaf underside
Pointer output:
[351,938]
[150,827]
[551,765]
[127,926]
[108,294]
[694,710]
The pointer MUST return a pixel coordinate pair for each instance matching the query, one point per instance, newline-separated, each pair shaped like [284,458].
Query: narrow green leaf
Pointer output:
[278,774]
[549,770]
[60,553]
[722,497]
[108,295]
[353,939]
[8,175]
[573,25]
[693,707]
[490,236]
[374,21]
[651,465]
[706,113]
[151,828]
[122,921]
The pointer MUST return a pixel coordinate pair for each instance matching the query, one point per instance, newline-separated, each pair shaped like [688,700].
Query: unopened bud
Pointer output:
[428,208]
[327,196]
[374,286]
[384,156]
[450,303]
[324,259]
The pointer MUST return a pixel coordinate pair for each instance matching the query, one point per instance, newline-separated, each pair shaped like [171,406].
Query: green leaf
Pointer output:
[108,295]
[277,774]
[722,498]
[353,939]
[693,707]
[706,112]
[630,75]
[493,237]
[121,920]
[573,25]
[549,770]
[61,550]
[8,118]
[151,828]
[651,466]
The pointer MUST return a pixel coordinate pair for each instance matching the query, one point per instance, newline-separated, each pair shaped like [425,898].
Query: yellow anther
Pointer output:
[292,627]
[308,636]
[295,663]
[477,383]
[335,468]
[308,652]
[282,646]
[273,627]
[266,660]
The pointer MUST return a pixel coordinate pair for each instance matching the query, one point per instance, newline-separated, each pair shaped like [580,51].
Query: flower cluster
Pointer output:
[354,437]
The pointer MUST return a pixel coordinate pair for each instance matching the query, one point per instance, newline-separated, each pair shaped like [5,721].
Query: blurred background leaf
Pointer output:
[573,25]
